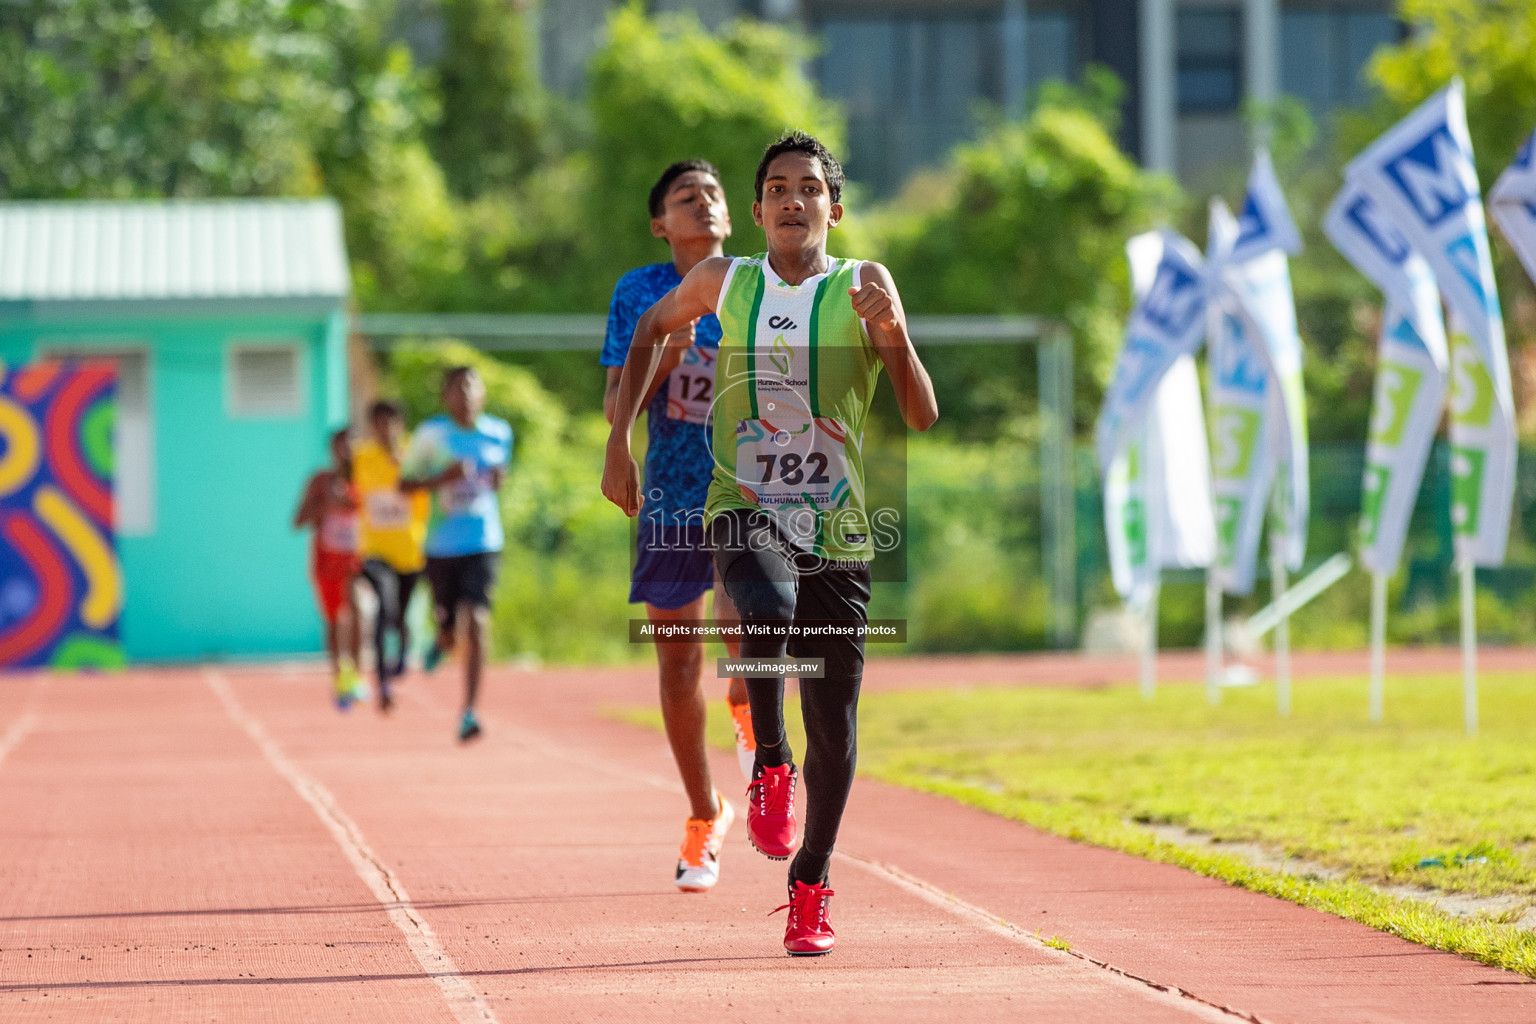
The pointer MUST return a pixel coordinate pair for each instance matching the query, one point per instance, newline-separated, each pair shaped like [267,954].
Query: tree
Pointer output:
[188,98]
[492,128]
[1032,218]
[129,98]
[664,89]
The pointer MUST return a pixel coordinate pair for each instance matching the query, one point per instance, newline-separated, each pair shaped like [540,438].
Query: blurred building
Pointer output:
[227,322]
[917,76]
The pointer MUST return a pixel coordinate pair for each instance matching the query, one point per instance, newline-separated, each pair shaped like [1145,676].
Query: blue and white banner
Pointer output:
[1184,535]
[1421,175]
[1167,322]
[1258,407]
[1243,456]
[1157,506]
[1266,221]
[1366,236]
[1512,200]
[1410,372]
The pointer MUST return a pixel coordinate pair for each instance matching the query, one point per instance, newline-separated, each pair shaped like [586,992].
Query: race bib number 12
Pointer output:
[691,386]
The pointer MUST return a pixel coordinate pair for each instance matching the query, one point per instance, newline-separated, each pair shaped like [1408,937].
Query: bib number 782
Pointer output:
[792,468]
[793,462]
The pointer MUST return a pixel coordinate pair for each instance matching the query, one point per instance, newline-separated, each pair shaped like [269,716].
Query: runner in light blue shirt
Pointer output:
[466,516]
[462,457]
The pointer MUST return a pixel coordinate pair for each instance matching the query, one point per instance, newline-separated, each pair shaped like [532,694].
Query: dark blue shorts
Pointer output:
[673,564]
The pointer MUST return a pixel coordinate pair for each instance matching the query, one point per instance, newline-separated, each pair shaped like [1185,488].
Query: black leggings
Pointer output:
[394,591]
[771,583]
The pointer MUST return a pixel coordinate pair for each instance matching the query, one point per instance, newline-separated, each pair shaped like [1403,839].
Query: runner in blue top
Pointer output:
[462,457]
[673,565]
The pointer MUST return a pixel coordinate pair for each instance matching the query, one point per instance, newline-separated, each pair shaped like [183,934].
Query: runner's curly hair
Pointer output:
[799,142]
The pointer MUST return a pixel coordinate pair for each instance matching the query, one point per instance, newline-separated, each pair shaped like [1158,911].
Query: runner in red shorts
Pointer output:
[329,506]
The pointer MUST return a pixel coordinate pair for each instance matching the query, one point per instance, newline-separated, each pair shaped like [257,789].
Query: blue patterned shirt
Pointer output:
[678,463]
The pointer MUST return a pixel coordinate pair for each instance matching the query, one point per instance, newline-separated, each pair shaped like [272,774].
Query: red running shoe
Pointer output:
[771,825]
[808,932]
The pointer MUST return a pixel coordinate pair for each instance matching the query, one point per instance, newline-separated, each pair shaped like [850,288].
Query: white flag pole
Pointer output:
[1212,638]
[1149,647]
[1445,223]
[1378,645]
[1469,645]
[1277,584]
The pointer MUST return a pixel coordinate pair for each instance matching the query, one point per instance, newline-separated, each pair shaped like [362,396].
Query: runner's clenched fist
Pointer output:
[683,337]
[873,303]
[621,478]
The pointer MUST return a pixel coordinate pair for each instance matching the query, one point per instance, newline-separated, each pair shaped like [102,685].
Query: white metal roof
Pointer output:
[172,249]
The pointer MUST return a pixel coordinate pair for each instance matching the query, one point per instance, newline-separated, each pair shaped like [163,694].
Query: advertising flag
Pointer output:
[1258,407]
[1126,491]
[1243,446]
[1512,201]
[1266,221]
[1184,527]
[1125,523]
[1422,177]
[1157,510]
[1410,372]
[1167,321]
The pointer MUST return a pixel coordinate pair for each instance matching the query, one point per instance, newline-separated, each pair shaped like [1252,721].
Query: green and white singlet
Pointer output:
[793,382]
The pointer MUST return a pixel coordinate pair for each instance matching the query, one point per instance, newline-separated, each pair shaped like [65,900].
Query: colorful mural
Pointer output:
[61,589]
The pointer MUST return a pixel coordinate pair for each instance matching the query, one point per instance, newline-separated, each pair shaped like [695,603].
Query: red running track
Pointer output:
[221,845]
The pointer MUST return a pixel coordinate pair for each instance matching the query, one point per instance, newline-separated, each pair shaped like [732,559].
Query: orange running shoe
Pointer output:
[808,931]
[698,867]
[746,739]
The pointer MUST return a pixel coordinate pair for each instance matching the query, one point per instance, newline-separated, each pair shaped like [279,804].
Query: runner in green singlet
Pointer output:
[804,337]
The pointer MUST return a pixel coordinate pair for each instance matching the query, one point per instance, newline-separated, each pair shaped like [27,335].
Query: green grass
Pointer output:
[1371,802]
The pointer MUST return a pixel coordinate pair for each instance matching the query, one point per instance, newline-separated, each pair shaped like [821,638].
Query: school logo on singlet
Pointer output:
[782,355]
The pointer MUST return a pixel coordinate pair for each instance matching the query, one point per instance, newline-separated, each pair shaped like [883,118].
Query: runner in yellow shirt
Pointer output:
[393,529]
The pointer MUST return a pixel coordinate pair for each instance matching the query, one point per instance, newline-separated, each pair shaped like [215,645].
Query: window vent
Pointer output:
[264,380]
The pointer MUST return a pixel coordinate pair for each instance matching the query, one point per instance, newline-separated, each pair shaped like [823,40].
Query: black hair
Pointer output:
[344,434]
[385,408]
[658,200]
[800,142]
[453,373]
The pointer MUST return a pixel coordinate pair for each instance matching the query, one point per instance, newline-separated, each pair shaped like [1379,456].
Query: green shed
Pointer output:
[228,323]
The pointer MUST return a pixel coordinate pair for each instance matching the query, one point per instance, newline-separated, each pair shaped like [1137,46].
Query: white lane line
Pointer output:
[988,921]
[26,721]
[1172,995]
[17,732]
[467,1004]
